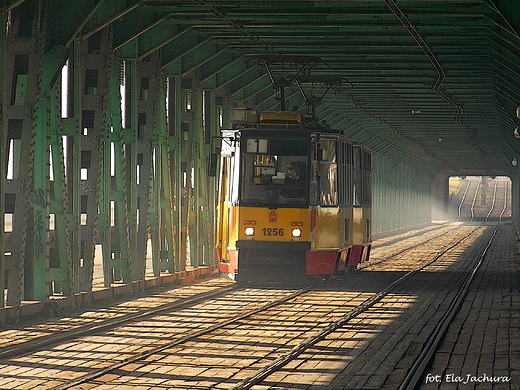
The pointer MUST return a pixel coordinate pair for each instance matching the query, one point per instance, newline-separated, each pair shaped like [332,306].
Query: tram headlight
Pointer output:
[296,232]
[249,231]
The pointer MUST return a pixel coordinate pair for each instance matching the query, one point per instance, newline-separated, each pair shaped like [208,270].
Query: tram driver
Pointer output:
[293,171]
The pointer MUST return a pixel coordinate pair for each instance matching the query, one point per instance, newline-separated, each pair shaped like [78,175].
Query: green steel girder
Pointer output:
[251,77]
[94,108]
[509,10]
[186,45]
[59,14]
[194,58]
[130,27]
[254,87]
[61,263]
[53,62]
[106,197]
[260,97]
[106,12]
[224,79]
[158,37]
[3,167]
[223,70]
[153,38]
[201,58]
[36,255]
[145,88]
[162,203]
[25,114]
[457,64]
[413,145]
[292,96]
[378,25]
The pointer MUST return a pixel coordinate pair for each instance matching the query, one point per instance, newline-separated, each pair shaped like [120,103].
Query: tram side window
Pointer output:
[230,173]
[357,180]
[367,178]
[345,173]
[328,174]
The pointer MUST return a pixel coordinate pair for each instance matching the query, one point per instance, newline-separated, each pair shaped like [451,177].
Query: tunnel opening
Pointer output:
[479,198]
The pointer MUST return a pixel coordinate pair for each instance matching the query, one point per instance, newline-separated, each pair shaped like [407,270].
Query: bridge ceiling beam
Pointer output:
[414,70]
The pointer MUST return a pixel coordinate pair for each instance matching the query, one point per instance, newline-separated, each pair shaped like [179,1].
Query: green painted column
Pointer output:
[121,140]
[175,174]
[36,265]
[72,129]
[161,201]
[189,209]
[60,264]
[3,167]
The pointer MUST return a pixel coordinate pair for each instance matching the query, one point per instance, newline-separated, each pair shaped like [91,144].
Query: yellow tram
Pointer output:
[294,200]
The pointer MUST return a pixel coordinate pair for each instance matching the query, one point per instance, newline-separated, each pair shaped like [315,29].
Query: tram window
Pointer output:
[345,173]
[328,174]
[290,147]
[264,176]
[357,183]
[256,145]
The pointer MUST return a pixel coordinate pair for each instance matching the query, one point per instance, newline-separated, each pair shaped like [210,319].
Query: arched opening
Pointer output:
[479,198]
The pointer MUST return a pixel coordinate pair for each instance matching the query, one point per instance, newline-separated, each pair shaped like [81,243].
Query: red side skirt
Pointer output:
[320,263]
[230,267]
[327,263]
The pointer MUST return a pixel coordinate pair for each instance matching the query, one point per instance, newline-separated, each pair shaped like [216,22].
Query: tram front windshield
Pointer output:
[274,172]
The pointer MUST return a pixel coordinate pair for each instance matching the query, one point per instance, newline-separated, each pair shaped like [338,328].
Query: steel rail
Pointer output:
[493,202]
[10,352]
[419,368]
[506,191]
[473,203]
[180,340]
[462,200]
[371,262]
[294,352]
[183,339]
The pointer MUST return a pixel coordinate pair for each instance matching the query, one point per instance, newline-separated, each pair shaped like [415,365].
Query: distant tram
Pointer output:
[294,200]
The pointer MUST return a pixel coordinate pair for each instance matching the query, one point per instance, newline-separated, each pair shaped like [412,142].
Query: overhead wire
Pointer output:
[441,75]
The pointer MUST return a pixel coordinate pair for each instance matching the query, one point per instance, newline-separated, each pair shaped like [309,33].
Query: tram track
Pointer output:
[180,340]
[463,199]
[470,210]
[420,367]
[265,372]
[349,306]
[283,355]
[205,326]
[54,332]
[436,234]
[104,325]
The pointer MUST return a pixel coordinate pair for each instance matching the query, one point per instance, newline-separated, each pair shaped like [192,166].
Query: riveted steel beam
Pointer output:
[129,28]
[106,12]
[186,46]
[220,65]
[158,37]
[94,113]
[147,95]
[161,206]
[23,196]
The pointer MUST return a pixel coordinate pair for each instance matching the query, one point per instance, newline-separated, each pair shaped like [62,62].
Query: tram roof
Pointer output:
[432,83]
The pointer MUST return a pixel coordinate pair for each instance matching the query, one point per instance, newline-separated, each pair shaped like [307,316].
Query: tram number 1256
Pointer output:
[273,232]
